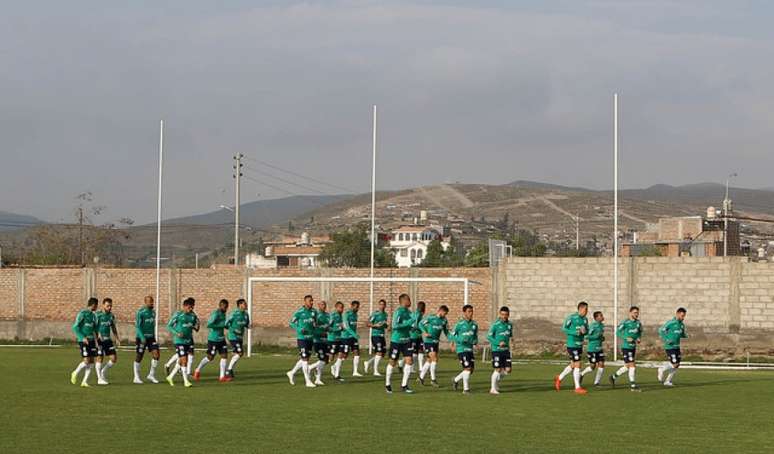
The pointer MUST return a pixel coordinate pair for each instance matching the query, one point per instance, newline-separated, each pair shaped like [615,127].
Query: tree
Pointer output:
[352,248]
[478,255]
[436,256]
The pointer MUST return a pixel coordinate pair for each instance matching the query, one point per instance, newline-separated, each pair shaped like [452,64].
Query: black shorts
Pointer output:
[379,344]
[596,357]
[501,360]
[217,347]
[88,348]
[467,360]
[430,347]
[674,356]
[574,353]
[350,345]
[106,347]
[418,344]
[334,347]
[236,346]
[183,350]
[149,343]
[321,348]
[305,347]
[628,355]
[403,348]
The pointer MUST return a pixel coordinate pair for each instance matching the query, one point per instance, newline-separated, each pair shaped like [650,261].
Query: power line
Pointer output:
[248,177]
[295,174]
[267,174]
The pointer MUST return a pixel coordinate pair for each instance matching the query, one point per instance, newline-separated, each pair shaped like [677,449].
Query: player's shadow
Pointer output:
[545,386]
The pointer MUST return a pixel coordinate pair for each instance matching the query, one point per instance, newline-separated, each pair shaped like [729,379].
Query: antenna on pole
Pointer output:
[615,226]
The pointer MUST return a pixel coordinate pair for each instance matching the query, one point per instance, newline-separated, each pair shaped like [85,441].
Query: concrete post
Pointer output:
[21,284]
[734,309]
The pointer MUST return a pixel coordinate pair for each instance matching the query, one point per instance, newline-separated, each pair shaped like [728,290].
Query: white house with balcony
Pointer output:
[410,243]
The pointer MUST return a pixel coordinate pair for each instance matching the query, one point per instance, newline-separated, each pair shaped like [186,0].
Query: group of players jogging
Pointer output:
[332,336]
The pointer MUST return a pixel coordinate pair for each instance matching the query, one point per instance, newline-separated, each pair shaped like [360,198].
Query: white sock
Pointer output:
[355,364]
[86,373]
[423,370]
[305,369]
[567,370]
[631,375]
[433,367]
[320,365]
[459,376]
[421,360]
[587,370]
[620,371]
[189,364]
[154,365]
[495,378]
[105,368]
[184,373]
[136,368]
[202,363]
[576,375]
[337,366]
[377,359]
[598,377]
[80,367]
[232,363]
[406,375]
[223,363]
[172,360]
[388,375]
[175,370]
[466,380]
[671,375]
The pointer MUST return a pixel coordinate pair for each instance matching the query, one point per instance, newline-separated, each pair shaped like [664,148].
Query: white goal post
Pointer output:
[458,280]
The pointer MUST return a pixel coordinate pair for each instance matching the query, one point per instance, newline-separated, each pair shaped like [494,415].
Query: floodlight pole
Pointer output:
[373,232]
[158,227]
[615,226]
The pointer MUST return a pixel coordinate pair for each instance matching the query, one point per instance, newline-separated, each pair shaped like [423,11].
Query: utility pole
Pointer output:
[577,232]
[80,234]
[726,213]
[237,177]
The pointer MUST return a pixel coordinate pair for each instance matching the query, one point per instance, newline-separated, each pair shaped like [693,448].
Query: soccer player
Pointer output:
[576,326]
[322,321]
[349,337]
[596,355]
[303,322]
[499,337]
[216,342]
[630,331]
[106,326]
[181,326]
[400,344]
[335,349]
[145,329]
[378,323]
[671,333]
[432,327]
[174,358]
[416,335]
[236,323]
[465,337]
[85,327]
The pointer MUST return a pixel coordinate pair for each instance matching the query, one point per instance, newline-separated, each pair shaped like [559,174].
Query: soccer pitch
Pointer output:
[708,411]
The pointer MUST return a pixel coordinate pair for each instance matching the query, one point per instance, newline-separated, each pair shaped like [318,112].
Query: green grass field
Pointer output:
[709,411]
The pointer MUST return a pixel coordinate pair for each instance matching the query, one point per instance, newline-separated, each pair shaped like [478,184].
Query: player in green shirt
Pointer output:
[416,335]
[174,358]
[303,321]
[181,326]
[85,328]
[145,339]
[350,337]
[106,326]
[335,347]
[671,333]
[322,321]
[216,342]
[596,354]
[499,337]
[400,344]
[575,326]
[630,332]
[236,323]
[432,327]
[465,338]
[378,324]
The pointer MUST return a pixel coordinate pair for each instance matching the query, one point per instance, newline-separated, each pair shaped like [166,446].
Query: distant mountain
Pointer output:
[13,221]
[263,213]
[526,184]
[706,194]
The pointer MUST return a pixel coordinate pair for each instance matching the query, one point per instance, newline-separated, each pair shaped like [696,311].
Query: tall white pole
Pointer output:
[373,229]
[237,176]
[158,225]
[615,226]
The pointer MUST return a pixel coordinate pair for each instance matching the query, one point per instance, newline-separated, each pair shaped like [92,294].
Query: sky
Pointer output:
[468,91]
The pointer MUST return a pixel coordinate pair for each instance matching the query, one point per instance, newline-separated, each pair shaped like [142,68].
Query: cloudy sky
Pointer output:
[471,91]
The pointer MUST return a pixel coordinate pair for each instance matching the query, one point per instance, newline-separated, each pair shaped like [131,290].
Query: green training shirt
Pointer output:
[145,323]
[416,319]
[575,326]
[596,336]
[236,323]
[322,321]
[85,325]
[217,326]
[105,323]
[303,322]
[350,325]
[500,331]
[401,325]
[465,335]
[434,326]
[181,325]
[671,333]
[629,329]
[379,319]
[335,326]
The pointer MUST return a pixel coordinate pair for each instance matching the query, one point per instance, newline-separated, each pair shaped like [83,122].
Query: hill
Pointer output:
[13,221]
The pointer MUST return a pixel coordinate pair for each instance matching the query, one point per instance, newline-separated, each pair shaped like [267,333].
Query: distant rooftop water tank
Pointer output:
[712,213]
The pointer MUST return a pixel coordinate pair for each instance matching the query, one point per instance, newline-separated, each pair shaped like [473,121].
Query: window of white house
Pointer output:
[404,252]
[419,253]
[413,254]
